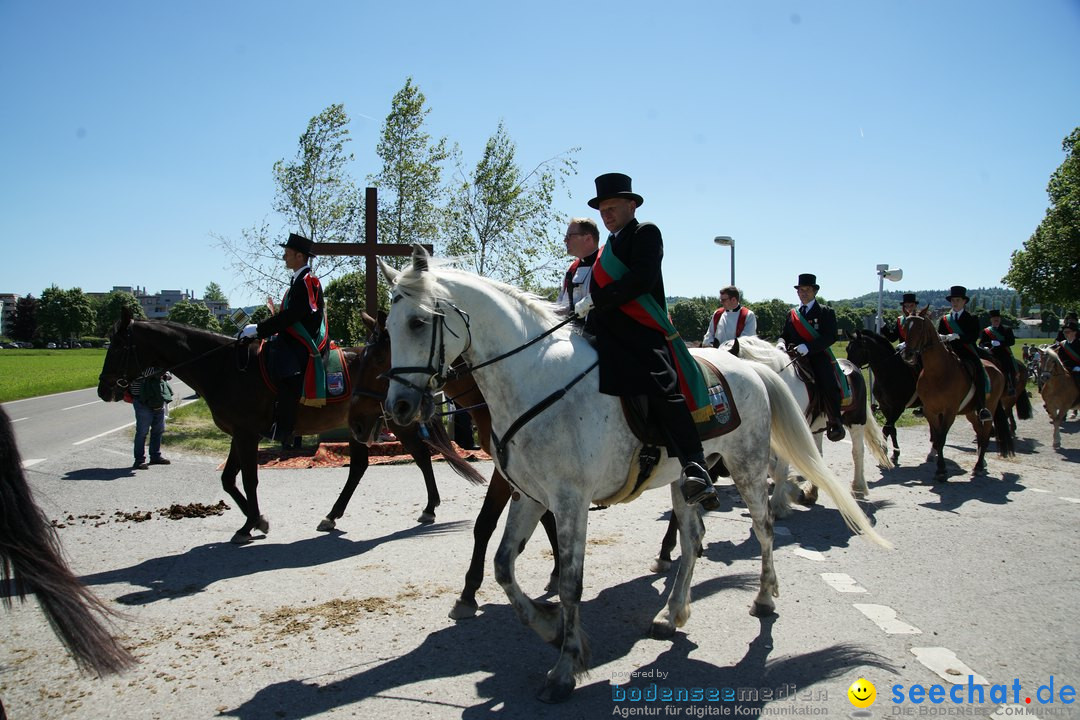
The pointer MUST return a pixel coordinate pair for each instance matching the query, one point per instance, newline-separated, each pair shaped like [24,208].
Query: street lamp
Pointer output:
[894,275]
[728,241]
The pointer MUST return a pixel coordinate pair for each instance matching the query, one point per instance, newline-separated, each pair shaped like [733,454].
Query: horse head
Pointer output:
[429,332]
[369,386]
[121,364]
[858,349]
[920,332]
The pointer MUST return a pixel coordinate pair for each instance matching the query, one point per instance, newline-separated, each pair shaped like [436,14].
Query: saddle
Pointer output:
[852,411]
[338,380]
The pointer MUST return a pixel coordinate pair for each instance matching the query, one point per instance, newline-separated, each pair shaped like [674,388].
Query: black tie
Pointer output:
[802,310]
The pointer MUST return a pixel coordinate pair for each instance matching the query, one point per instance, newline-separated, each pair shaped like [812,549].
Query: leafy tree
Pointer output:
[770,317]
[344,303]
[109,309]
[691,318]
[64,314]
[25,325]
[315,197]
[1047,267]
[410,181]
[260,313]
[1051,323]
[195,314]
[214,292]
[503,219]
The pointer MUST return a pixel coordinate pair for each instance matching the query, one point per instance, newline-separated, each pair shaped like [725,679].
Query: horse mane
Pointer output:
[751,347]
[877,339]
[425,288]
[209,335]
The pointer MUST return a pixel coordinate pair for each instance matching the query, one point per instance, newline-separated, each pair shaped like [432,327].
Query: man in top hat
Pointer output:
[809,331]
[583,242]
[1069,317]
[960,329]
[998,338]
[1068,349]
[298,334]
[895,331]
[635,357]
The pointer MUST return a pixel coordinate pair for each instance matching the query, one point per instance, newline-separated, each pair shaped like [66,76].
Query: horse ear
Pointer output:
[420,258]
[369,322]
[734,349]
[382,321]
[388,272]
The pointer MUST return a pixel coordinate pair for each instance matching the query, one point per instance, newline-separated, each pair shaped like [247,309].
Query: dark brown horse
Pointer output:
[894,379]
[946,390]
[31,561]
[227,376]
[366,414]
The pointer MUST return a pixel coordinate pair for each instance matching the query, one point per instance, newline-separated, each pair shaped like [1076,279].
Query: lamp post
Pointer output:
[728,241]
[894,275]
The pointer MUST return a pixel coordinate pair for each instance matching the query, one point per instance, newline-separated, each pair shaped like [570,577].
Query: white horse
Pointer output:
[758,350]
[563,445]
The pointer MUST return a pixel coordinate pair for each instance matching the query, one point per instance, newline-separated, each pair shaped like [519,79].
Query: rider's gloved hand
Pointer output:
[584,305]
[781,346]
[950,337]
[802,349]
[901,346]
[250,332]
[995,343]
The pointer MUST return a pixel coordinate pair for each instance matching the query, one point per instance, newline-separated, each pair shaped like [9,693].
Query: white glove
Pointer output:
[950,337]
[584,305]
[995,343]
[248,333]
[901,346]
[781,346]
[1076,369]
[802,349]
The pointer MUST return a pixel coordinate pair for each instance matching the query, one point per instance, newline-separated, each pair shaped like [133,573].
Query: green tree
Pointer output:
[770,317]
[64,314]
[195,314]
[503,219]
[315,197]
[1051,323]
[26,324]
[344,305]
[108,311]
[410,182]
[259,314]
[214,292]
[691,318]
[1046,269]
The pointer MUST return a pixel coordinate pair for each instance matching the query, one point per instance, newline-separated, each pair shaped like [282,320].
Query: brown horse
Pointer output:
[227,376]
[1059,391]
[31,561]
[947,390]
[365,416]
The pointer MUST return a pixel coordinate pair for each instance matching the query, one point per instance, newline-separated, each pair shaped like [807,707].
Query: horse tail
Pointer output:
[1003,433]
[1023,404]
[875,438]
[31,561]
[439,441]
[791,440]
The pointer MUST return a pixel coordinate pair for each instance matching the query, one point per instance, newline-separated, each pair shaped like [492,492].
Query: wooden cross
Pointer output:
[370,249]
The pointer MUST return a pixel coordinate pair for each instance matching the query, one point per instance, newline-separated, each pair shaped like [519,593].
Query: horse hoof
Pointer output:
[660,566]
[761,610]
[860,494]
[426,518]
[241,538]
[463,610]
[556,692]
[263,525]
[808,499]
[660,630]
[552,583]
[326,525]
[941,477]
[896,457]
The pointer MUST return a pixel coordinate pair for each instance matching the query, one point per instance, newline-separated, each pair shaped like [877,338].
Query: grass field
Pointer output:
[30,373]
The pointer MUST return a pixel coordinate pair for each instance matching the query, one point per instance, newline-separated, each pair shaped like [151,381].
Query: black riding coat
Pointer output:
[296,307]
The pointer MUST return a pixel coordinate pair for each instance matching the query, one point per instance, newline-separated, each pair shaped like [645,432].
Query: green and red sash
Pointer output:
[1074,359]
[314,392]
[900,331]
[645,310]
[992,334]
[807,332]
[954,327]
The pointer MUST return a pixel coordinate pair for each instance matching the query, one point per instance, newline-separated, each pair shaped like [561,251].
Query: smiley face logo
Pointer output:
[862,693]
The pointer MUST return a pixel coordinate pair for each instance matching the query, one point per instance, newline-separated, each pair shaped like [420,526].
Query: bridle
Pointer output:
[128,354]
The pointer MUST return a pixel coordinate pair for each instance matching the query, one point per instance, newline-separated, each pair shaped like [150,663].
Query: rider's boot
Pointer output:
[697,487]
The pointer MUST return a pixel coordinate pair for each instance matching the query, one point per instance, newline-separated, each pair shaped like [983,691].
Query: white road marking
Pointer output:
[1036,490]
[1068,499]
[885,618]
[842,582]
[809,553]
[38,397]
[95,402]
[948,667]
[30,462]
[20,419]
[107,432]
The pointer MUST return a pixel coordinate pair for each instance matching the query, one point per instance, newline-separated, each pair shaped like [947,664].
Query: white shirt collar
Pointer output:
[298,271]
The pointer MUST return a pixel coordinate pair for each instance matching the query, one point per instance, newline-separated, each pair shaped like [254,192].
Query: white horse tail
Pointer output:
[873,437]
[791,440]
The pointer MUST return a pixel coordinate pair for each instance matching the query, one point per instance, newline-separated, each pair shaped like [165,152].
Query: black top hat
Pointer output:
[614,185]
[299,243]
[1071,325]
[909,298]
[995,313]
[957,291]
[808,279]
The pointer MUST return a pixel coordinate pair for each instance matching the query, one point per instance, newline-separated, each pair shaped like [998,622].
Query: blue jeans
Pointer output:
[152,421]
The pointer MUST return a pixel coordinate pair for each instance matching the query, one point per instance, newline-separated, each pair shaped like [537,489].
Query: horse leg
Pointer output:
[662,563]
[754,494]
[574,646]
[498,494]
[415,446]
[358,465]
[249,471]
[548,521]
[228,477]
[783,488]
[889,433]
[808,492]
[858,455]
[938,439]
[691,531]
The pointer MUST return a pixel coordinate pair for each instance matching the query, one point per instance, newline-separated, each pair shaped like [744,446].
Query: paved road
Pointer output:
[983,583]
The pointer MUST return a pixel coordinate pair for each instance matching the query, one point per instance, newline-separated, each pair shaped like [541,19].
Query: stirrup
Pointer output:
[985,416]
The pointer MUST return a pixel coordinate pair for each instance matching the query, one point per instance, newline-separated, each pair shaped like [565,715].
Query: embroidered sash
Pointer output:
[1074,358]
[645,310]
[314,392]
[807,332]
[900,331]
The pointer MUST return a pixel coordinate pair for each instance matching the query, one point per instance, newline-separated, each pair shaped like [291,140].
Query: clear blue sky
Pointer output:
[824,136]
